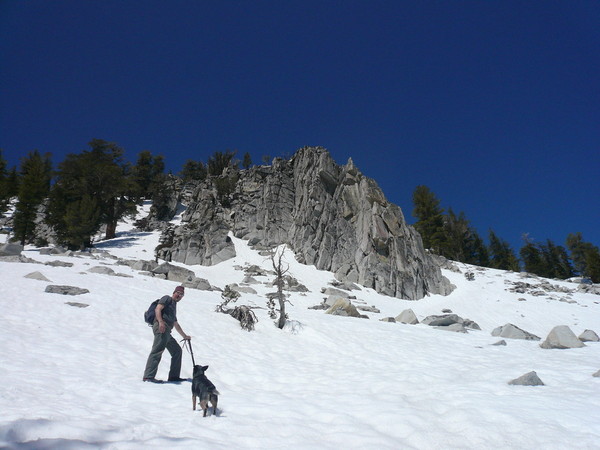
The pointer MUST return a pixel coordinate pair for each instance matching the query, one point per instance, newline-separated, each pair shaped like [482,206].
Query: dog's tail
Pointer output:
[214,391]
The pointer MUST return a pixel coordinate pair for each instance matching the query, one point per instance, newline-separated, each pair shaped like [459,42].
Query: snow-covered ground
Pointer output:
[72,377]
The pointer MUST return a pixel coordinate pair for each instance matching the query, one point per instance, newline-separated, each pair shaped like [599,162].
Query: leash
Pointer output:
[187,343]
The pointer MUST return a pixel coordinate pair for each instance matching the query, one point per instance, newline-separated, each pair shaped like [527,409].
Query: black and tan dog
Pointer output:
[203,388]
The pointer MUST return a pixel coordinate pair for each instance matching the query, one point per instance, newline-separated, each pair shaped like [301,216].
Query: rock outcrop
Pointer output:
[331,216]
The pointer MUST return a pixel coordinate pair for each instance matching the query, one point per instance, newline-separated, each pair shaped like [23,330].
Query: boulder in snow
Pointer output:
[589,336]
[561,337]
[511,331]
[343,307]
[10,249]
[529,379]
[65,290]
[36,276]
[407,316]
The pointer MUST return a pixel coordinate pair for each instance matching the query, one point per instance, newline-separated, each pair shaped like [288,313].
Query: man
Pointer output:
[166,319]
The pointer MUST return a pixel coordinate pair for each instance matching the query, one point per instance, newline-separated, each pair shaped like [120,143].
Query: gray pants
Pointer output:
[162,341]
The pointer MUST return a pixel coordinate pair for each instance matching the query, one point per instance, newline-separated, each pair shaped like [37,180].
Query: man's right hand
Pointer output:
[162,327]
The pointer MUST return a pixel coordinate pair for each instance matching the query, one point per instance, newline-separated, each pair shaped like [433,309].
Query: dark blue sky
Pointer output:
[494,105]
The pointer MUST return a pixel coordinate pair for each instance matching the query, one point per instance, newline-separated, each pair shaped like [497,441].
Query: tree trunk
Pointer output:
[111,230]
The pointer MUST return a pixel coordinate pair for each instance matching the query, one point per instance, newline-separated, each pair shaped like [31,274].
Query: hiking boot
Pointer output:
[153,380]
[177,380]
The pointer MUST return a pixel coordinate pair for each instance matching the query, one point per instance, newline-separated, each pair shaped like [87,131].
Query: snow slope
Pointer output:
[71,376]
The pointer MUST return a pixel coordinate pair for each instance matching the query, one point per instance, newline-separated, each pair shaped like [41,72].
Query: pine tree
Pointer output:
[102,175]
[533,259]
[219,161]
[33,189]
[81,220]
[193,170]
[430,219]
[476,252]
[592,261]
[4,198]
[247,162]
[578,249]
[585,257]
[501,254]
[148,173]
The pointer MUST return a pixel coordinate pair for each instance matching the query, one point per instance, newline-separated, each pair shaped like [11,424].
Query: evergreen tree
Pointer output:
[476,252]
[458,232]
[533,259]
[81,222]
[592,261]
[193,170]
[219,161]
[4,198]
[13,182]
[33,189]
[247,162]
[578,249]
[502,255]
[102,175]
[585,257]
[148,173]
[430,219]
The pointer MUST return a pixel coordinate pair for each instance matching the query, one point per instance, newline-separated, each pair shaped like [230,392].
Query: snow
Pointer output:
[71,376]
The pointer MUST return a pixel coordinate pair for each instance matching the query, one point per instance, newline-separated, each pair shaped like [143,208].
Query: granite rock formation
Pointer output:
[331,216]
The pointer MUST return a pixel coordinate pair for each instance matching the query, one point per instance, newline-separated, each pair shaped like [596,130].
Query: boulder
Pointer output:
[198,283]
[388,319]
[589,336]
[561,337]
[455,327]
[36,276]
[174,273]
[529,379]
[11,249]
[442,321]
[597,374]
[77,304]
[102,270]
[242,289]
[65,290]
[144,266]
[500,342]
[511,331]
[59,264]
[343,307]
[407,316]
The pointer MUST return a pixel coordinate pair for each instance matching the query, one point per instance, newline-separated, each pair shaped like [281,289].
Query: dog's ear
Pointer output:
[205,367]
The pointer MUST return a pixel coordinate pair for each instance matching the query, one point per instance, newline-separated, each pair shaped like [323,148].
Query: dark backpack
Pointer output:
[150,315]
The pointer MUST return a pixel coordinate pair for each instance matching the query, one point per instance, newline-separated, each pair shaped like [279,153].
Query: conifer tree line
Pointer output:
[90,190]
[450,235]
[94,189]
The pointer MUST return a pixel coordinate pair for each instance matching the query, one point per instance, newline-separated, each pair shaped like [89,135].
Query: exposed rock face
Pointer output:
[331,216]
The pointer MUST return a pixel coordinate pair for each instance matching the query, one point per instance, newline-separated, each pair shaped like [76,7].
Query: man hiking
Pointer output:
[165,321]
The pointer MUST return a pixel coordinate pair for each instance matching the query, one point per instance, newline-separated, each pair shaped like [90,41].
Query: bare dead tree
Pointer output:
[277,259]
[243,313]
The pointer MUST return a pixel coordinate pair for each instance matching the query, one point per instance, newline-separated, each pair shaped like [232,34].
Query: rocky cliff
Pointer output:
[331,216]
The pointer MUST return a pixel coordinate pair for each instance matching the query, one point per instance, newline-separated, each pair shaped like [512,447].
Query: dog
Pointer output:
[203,388]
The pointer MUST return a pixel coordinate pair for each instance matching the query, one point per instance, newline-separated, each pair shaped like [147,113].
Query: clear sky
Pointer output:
[494,105]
